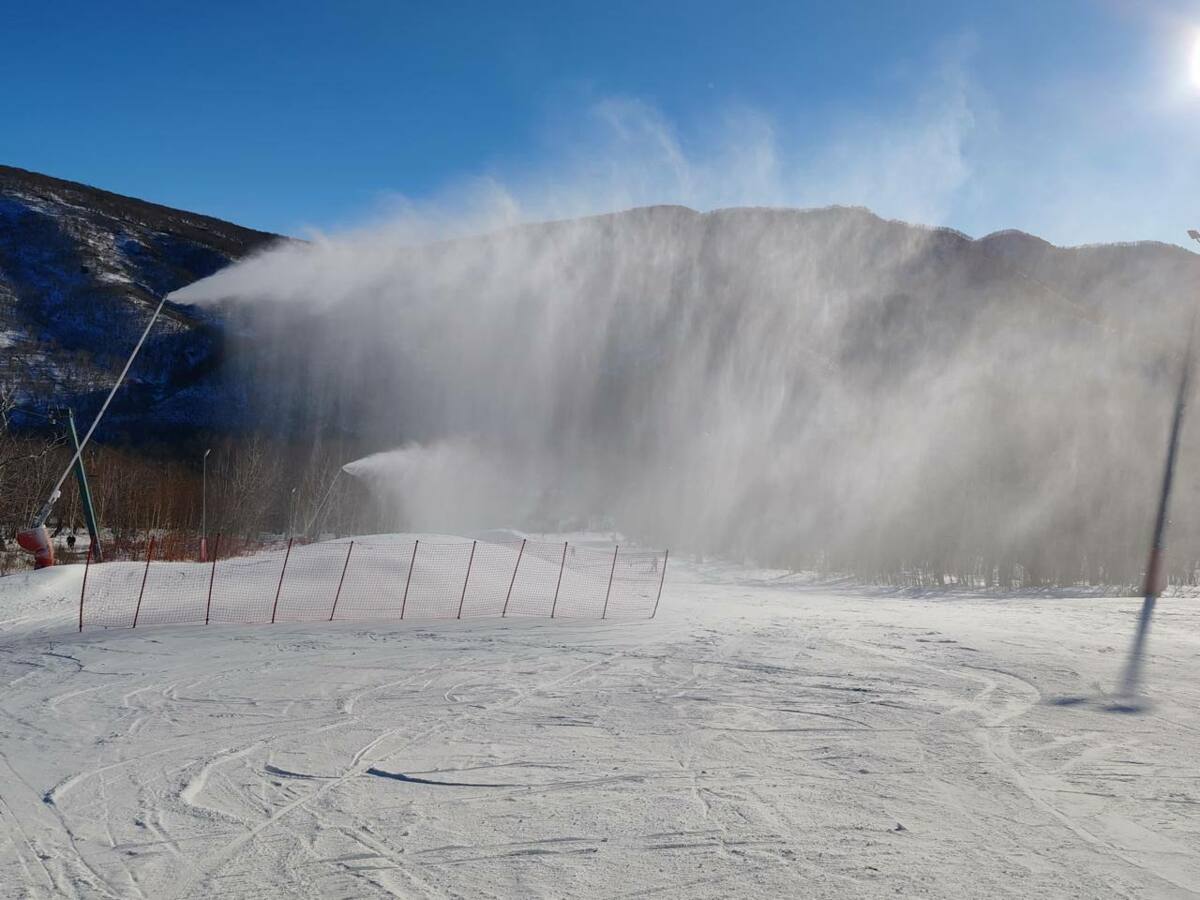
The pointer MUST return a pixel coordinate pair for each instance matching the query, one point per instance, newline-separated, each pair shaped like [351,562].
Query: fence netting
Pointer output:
[229,581]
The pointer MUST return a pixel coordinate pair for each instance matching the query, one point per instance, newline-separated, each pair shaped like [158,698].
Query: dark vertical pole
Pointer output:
[204,506]
[408,581]
[612,572]
[83,590]
[463,598]
[1155,567]
[661,579]
[513,580]
[212,575]
[341,581]
[562,565]
[85,492]
[149,555]
[279,590]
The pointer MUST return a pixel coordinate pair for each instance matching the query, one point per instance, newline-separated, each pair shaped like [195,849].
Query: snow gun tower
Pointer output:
[35,539]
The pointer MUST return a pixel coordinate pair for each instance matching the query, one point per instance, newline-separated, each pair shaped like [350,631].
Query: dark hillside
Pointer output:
[80,271]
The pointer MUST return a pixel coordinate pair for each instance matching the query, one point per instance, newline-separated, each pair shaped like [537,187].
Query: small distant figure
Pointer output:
[654,565]
[71,541]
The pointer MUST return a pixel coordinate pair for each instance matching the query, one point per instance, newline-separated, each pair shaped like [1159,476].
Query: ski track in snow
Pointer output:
[762,737]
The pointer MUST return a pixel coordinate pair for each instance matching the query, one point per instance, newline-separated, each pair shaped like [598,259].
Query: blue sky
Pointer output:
[1074,120]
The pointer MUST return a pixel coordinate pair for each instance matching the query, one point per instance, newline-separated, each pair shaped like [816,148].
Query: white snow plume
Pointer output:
[796,386]
[448,485]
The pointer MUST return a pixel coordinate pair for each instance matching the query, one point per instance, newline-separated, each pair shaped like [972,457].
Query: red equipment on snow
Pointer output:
[37,541]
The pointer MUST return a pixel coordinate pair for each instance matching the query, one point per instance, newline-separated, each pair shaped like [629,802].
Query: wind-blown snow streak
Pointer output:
[790,385]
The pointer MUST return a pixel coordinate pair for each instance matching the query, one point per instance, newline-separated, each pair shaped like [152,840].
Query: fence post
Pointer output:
[149,555]
[661,579]
[611,572]
[408,581]
[279,590]
[562,565]
[83,590]
[341,581]
[513,580]
[463,598]
[212,575]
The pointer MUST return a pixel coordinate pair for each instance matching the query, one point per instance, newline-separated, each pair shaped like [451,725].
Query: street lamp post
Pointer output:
[204,506]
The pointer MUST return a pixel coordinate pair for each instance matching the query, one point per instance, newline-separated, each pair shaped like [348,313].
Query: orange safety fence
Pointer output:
[251,582]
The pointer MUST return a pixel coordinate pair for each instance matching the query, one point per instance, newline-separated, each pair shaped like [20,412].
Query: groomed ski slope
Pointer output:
[763,737]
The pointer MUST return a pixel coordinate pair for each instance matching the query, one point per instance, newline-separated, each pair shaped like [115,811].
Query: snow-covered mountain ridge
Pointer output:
[81,267]
[80,270]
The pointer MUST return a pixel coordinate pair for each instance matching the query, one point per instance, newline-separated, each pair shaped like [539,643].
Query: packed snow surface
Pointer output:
[763,736]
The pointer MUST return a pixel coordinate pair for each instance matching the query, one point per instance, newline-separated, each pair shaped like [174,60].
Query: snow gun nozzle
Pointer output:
[36,540]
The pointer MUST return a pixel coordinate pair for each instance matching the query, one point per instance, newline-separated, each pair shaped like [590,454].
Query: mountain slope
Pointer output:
[81,269]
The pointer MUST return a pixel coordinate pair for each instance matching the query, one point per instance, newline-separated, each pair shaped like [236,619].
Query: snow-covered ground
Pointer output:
[764,736]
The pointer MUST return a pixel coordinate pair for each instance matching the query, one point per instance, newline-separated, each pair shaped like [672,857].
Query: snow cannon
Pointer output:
[36,540]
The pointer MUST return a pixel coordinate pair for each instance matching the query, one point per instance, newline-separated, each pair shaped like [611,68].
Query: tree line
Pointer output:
[256,487]
[259,487]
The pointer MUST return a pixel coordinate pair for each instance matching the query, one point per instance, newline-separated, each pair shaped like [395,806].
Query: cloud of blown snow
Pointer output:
[624,153]
[792,385]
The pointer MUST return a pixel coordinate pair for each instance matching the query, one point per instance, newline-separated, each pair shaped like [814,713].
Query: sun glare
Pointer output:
[1194,62]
